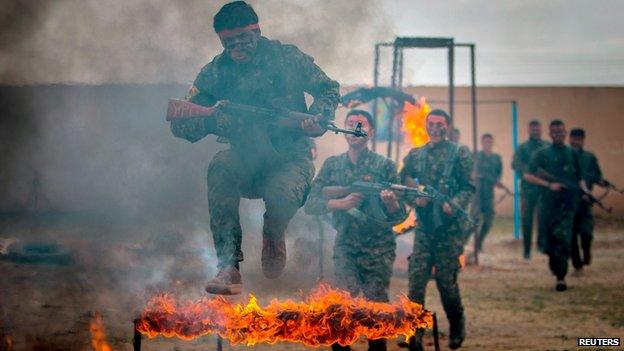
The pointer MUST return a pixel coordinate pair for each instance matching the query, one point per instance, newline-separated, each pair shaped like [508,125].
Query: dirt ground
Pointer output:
[510,303]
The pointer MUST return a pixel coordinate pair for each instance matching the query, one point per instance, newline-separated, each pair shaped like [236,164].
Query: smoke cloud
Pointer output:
[145,41]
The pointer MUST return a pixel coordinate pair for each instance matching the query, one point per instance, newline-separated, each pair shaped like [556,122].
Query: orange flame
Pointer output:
[327,316]
[408,224]
[98,334]
[414,122]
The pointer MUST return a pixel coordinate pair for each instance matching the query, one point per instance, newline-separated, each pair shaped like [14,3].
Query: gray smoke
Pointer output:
[147,41]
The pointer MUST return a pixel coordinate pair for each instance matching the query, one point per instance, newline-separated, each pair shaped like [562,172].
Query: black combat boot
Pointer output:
[458,332]
[377,345]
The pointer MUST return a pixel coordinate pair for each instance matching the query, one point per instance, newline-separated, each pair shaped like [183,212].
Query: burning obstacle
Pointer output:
[327,316]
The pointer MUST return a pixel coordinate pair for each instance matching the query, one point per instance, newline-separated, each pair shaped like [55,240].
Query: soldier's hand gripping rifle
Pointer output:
[372,207]
[182,109]
[575,188]
[440,198]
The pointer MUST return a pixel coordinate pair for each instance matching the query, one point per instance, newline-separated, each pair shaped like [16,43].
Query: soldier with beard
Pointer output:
[268,162]
[446,166]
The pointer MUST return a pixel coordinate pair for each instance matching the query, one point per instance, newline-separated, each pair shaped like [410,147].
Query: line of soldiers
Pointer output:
[273,163]
[556,181]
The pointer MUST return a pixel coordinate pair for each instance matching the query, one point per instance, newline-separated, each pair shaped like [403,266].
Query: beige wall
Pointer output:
[597,110]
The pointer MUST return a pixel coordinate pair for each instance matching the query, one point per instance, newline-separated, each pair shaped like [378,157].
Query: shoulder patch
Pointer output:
[192,92]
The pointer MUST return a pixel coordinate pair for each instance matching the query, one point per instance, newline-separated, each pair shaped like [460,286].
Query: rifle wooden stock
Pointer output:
[182,109]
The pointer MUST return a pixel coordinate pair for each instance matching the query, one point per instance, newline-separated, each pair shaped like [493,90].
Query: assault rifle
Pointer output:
[371,208]
[575,188]
[372,189]
[182,109]
[440,198]
[607,184]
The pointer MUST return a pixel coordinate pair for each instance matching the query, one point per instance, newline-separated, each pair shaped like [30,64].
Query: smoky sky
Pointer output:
[522,42]
[163,41]
[526,42]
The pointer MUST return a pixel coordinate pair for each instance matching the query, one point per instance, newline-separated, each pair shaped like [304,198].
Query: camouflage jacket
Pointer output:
[524,153]
[277,77]
[447,167]
[355,231]
[558,161]
[590,170]
[488,170]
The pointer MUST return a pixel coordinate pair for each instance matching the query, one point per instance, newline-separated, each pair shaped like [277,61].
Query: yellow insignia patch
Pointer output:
[192,92]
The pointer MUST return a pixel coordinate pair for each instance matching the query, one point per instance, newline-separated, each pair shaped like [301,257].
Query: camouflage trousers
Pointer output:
[364,271]
[482,211]
[583,231]
[529,199]
[441,250]
[557,218]
[283,187]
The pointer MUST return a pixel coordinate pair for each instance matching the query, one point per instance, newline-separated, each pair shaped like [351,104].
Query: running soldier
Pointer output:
[529,193]
[446,166]
[365,246]
[557,170]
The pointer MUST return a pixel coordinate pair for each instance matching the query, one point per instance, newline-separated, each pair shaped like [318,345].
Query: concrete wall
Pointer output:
[108,147]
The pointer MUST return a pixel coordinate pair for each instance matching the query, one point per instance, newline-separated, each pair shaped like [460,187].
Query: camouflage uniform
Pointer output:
[584,217]
[529,193]
[264,161]
[447,167]
[557,207]
[365,249]
[489,169]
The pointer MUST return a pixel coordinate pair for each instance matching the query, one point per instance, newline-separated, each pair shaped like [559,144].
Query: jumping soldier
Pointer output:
[268,162]
[557,170]
[529,193]
[365,246]
[446,166]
